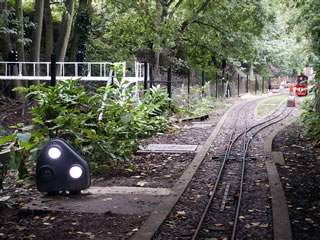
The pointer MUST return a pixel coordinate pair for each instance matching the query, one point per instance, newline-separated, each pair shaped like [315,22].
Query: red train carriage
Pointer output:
[302,85]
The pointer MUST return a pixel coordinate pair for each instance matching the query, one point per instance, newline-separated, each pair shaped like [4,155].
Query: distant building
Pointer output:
[309,72]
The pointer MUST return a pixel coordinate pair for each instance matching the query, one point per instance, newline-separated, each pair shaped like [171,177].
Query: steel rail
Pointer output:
[235,223]
[258,124]
[226,156]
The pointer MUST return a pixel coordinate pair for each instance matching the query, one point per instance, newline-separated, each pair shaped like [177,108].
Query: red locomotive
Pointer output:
[302,85]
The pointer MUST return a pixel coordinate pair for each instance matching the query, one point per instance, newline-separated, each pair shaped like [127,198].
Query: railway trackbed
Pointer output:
[228,196]
[232,175]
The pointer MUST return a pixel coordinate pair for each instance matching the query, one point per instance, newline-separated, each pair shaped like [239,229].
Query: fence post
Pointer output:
[224,64]
[216,84]
[247,87]
[150,75]
[79,58]
[202,83]
[238,85]
[145,77]
[227,87]
[169,82]
[53,70]
[13,57]
[262,85]
[189,78]
[222,82]
[255,85]
[269,84]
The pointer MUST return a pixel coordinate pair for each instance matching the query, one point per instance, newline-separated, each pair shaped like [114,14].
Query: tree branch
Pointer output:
[170,2]
[189,21]
[175,7]
[208,25]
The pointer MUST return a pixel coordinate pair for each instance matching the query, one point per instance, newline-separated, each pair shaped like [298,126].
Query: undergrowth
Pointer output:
[310,120]
[105,127]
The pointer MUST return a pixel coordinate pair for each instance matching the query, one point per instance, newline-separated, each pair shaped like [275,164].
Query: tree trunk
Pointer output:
[6,44]
[48,31]
[81,29]
[192,77]
[20,36]
[251,72]
[36,36]
[64,33]
[19,18]
[157,47]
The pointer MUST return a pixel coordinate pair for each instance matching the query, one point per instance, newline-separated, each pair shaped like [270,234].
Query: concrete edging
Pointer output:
[280,213]
[158,216]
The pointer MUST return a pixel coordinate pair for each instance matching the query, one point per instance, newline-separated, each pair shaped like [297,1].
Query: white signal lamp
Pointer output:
[60,168]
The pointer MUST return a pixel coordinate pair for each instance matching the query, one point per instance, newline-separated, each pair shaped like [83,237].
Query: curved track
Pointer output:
[237,170]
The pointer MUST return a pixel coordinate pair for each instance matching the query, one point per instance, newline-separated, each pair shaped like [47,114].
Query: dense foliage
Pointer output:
[311,120]
[254,35]
[105,127]
[267,37]
[309,22]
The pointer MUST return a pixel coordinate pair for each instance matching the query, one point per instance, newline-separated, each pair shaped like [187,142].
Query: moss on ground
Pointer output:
[270,104]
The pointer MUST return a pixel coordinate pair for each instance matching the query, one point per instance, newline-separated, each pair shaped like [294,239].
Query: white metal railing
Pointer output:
[68,70]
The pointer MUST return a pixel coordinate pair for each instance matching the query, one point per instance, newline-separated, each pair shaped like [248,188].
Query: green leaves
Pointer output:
[126,118]
[7,139]
[24,137]
[67,111]
[311,119]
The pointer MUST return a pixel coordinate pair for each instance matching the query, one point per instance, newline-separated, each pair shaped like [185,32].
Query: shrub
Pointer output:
[310,119]
[104,126]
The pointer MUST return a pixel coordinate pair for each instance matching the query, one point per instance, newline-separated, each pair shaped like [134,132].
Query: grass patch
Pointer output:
[270,104]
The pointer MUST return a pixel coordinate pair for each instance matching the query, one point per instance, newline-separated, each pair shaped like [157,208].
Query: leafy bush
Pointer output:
[104,126]
[311,119]
[195,104]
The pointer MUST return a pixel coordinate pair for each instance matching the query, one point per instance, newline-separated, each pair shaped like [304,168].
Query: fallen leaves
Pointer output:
[309,220]
[256,224]
[219,225]
[181,212]
[89,234]
[141,183]
[107,199]
[4,198]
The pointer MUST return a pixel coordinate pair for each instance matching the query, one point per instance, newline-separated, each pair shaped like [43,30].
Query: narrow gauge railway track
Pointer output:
[231,174]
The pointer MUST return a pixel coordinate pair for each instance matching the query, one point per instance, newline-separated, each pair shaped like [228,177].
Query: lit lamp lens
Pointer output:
[54,153]
[75,172]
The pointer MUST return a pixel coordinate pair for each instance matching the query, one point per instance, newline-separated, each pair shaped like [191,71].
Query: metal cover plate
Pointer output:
[202,125]
[171,148]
